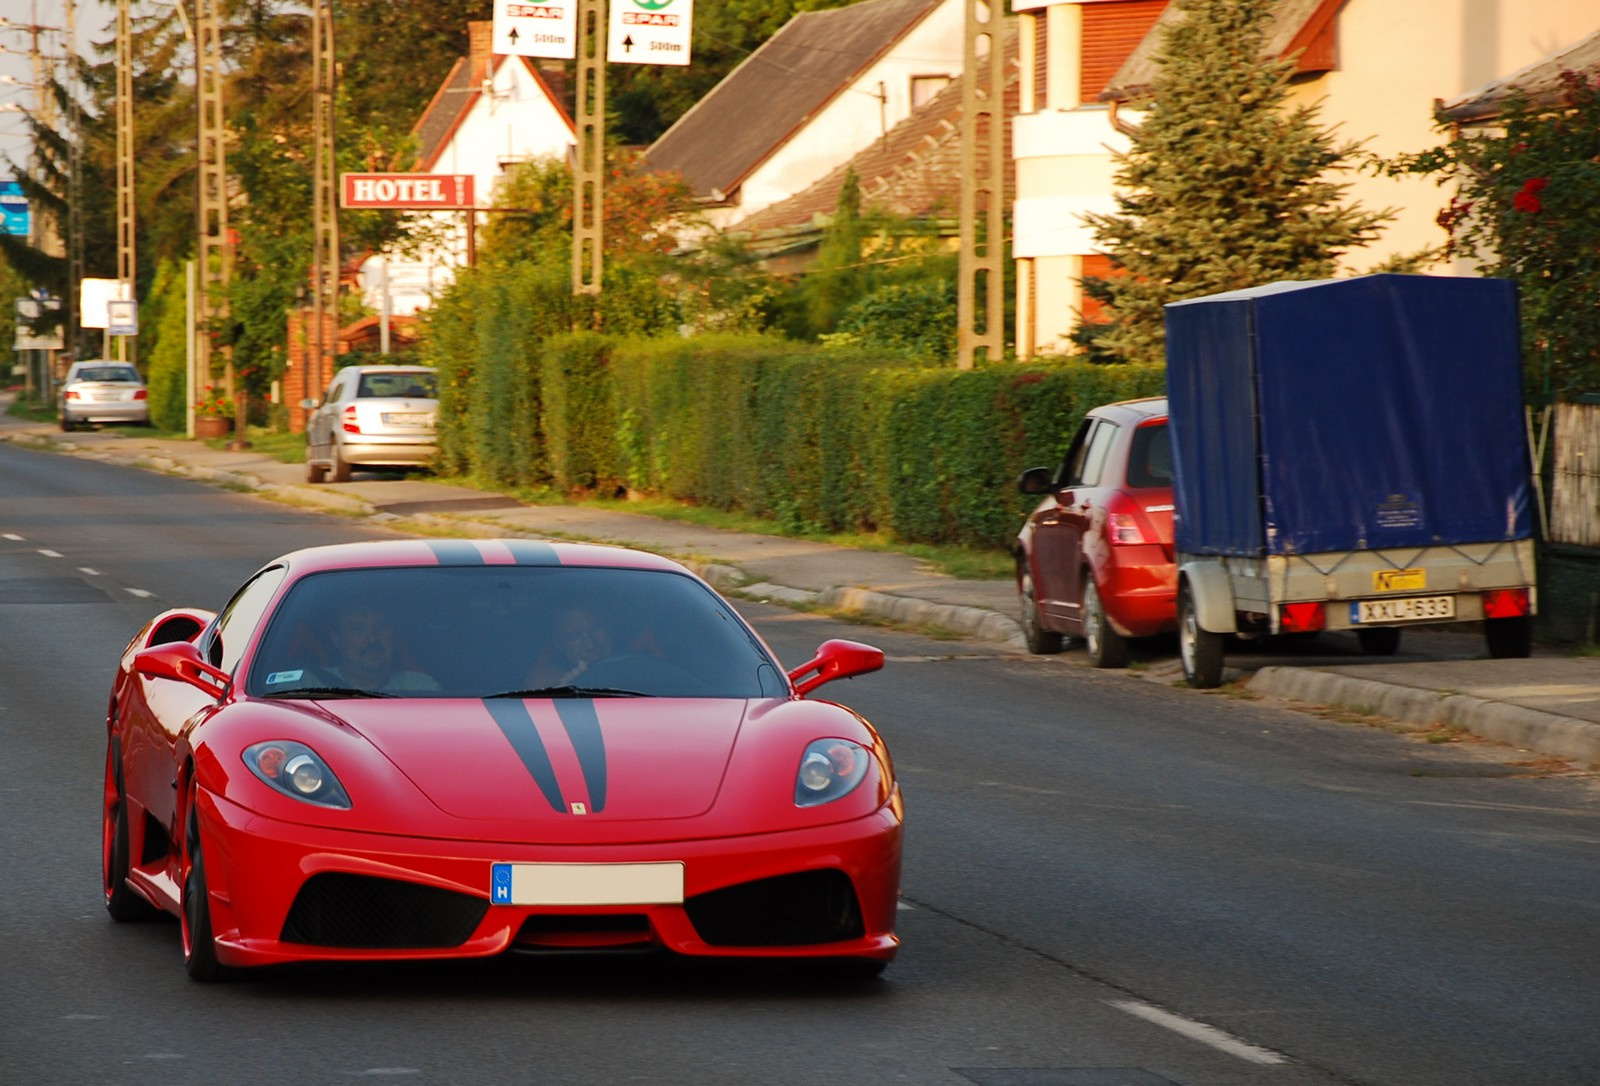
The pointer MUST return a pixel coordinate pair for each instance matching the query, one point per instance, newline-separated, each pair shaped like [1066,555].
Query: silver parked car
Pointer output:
[103,390]
[372,416]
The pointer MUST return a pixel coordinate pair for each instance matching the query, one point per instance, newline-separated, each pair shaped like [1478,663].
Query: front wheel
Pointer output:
[315,472]
[1041,642]
[1509,638]
[199,945]
[122,901]
[1105,646]
[1200,649]
[341,466]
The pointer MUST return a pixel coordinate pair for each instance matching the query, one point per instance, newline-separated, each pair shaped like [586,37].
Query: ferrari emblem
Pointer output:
[578,808]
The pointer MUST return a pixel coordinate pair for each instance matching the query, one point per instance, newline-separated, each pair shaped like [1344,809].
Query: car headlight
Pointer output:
[296,770]
[829,768]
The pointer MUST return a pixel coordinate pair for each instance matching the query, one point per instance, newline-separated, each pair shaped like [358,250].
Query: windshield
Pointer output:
[508,631]
[383,386]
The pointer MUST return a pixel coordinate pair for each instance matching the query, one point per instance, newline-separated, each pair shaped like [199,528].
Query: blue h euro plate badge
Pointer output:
[500,884]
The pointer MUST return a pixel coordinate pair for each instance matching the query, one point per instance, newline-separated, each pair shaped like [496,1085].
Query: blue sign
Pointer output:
[500,884]
[14,207]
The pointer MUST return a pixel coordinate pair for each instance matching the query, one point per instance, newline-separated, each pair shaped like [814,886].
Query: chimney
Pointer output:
[480,46]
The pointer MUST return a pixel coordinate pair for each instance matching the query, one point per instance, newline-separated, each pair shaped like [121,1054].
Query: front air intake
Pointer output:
[359,911]
[790,910]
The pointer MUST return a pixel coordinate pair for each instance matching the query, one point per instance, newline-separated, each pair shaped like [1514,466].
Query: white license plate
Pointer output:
[406,418]
[1407,609]
[586,884]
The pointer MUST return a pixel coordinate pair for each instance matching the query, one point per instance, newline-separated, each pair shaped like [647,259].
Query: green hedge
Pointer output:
[817,439]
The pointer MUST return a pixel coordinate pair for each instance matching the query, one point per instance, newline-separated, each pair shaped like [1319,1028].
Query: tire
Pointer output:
[199,946]
[1509,638]
[67,425]
[1041,642]
[122,901]
[315,472]
[1104,645]
[341,466]
[1380,640]
[1200,649]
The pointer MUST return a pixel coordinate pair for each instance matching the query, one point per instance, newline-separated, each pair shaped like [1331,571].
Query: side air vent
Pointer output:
[359,911]
[790,910]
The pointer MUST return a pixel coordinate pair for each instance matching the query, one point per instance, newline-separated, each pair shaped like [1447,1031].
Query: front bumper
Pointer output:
[260,874]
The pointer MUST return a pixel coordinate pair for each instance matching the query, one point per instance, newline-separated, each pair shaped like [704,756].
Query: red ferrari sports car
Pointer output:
[452,748]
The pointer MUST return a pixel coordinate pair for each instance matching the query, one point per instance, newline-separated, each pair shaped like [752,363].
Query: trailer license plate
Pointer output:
[1409,609]
[1399,580]
[586,884]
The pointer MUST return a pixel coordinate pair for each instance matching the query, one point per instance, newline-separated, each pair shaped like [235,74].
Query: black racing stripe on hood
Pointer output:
[514,721]
[532,552]
[455,552]
[583,728]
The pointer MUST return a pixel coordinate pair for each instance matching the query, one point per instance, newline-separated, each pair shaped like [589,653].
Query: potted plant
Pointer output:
[213,413]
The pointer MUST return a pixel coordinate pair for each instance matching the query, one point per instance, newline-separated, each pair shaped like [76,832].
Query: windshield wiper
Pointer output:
[570,692]
[329,692]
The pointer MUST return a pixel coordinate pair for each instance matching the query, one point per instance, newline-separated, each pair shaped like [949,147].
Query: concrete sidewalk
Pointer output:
[1549,703]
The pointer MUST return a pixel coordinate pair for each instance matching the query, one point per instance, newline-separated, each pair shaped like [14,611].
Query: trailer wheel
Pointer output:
[1379,640]
[1509,638]
[1200,649]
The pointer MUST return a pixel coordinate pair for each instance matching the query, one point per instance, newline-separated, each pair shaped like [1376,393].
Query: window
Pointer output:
[239,619]
[1087,457]
[925,88]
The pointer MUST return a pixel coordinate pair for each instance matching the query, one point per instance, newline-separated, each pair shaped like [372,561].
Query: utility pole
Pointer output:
[126,261]
[75,244]
[324,212]
[588,182]
[982,186]
[213,248]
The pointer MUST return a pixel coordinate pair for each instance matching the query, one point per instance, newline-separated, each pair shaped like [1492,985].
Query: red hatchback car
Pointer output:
[1095,559]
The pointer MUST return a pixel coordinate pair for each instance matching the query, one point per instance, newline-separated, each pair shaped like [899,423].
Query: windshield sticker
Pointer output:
[284,676]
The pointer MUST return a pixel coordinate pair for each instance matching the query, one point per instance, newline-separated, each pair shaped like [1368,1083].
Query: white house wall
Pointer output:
[516,122]
[853,119]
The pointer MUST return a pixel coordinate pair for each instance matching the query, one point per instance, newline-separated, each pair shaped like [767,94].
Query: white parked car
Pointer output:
[372,417]
[103,390]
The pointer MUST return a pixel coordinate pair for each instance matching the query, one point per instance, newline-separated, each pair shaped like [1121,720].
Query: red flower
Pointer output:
[1528,198]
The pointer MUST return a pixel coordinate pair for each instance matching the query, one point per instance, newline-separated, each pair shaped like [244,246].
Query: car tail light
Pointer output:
[1123,521]
[1302,618]
[71,395]
[348,422]
[1505,603]
[142,394]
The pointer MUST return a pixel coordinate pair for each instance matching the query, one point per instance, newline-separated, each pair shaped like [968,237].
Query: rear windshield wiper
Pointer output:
[329,692]
[570,692]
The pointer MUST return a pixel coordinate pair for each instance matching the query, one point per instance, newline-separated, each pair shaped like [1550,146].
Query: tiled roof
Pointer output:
[450,103]
[915,170]
[1539,83]
[1293,22]
[766,99]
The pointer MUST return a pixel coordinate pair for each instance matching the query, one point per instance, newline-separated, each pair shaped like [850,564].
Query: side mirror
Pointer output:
[1035,481]
[309,404]
[835,659]
[181,660]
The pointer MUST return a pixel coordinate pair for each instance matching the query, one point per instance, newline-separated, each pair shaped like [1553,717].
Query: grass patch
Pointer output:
[32,412]
[284,448]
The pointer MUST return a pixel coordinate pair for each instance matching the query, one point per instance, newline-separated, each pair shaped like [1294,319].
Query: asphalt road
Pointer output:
[1108,882]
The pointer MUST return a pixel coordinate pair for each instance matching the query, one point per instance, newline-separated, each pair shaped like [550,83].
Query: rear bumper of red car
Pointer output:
[1139,590]
[261,872]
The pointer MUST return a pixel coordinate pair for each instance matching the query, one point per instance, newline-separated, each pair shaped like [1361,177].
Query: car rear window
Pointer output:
[107,373]
[383,386]
[1150,458]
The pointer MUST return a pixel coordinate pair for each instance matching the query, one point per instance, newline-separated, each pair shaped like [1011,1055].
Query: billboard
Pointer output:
[14,209]
[441,191]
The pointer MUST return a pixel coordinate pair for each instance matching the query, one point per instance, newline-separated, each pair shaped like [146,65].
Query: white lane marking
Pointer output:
[1198,1031]
[87,572]
[141,593]
[13,538]
[49,553]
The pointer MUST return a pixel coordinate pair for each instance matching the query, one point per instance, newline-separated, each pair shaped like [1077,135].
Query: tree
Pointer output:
[1225,185]
[1527,207]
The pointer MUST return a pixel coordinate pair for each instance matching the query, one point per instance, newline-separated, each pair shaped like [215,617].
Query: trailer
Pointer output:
[1349,454]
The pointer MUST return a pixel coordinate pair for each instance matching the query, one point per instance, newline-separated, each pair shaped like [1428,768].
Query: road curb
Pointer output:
[1515,725]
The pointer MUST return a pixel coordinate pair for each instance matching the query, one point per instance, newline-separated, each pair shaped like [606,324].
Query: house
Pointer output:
[914,171]
[1373,68]
[826,86]
[490,113]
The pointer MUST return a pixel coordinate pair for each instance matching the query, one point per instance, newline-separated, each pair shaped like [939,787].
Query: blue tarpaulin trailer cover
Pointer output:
[1375,412]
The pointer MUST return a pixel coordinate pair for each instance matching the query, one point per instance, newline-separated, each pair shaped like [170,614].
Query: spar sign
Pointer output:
[649,31]
[536,28]
[443,191]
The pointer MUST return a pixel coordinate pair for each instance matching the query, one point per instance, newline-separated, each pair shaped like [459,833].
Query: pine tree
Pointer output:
[1225,186]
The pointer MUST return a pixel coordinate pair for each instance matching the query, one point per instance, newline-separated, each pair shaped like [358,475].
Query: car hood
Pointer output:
[616,759]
